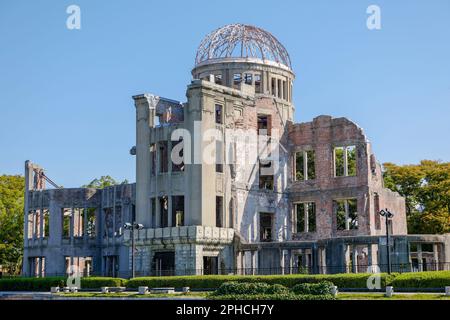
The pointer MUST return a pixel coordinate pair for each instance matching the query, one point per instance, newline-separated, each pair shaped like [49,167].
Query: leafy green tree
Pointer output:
[426,188]
[103,182]
[11,221]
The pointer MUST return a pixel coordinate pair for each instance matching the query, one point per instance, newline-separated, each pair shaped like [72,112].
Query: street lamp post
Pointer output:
[387,215]
[133,226]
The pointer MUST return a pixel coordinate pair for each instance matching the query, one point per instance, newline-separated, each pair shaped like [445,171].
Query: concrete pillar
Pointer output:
[435,257]
[419,256]
[369,258]
[170,223]
[145,119]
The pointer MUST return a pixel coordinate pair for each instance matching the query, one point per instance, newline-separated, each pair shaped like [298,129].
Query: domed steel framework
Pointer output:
[242,41]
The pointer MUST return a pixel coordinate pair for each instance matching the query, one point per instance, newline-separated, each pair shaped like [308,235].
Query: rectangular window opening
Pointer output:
[219,212]
[178,211]
[346,214]
[265,226]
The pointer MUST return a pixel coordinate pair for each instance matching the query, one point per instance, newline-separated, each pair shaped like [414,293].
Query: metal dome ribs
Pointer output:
[242,41]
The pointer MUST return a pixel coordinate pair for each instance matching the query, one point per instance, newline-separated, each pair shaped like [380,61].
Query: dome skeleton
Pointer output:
[254,43]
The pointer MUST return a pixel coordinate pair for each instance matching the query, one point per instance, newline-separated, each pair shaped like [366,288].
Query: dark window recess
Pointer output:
[178,211]
[153,217]
[153,157]
[265,227]
[210,265]
[266,181]
[164,263]
[237,79]
[248,78]
[163,156]
[164,211]
[219,114]
[258,83]
[218,79]
[264,124]
[219,156]
[219,212]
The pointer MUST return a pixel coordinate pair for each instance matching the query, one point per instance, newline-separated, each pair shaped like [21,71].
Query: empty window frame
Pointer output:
[219,212]
[219,156]
[346,214]
[153,158]
[66,223]
[219,114]
[178,158]
[264,124]
[258,88]
[306,217]
[248,78]
[163,156]
[218,79]
[345,161]
[83,265]
[273,86]
[78,221]
[164,211]
[178,211]
[153,212]
[30,224]
[237,79]
[266,175]
[305,165]
[265,226]
[46,223]
[91,228]
[118,221]
[279,88]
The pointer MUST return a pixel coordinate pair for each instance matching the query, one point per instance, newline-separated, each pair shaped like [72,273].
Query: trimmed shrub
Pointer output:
[98,282]
[347,280]
[249,288]
[321,288]
[426,279]
[285,296]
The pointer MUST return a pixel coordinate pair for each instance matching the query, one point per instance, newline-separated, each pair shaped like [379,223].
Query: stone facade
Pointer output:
[309,205]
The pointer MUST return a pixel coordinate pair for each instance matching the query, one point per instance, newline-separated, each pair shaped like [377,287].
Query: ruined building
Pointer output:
[308,205]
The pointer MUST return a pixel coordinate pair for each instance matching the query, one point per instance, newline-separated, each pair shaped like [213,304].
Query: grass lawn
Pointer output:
[397,296]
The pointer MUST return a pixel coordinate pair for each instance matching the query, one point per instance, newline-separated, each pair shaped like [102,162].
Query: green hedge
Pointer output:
[44,284]
[31,284]
[428,279]
[214,281]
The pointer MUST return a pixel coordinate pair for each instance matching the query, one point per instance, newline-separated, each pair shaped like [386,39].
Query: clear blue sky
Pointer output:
[65,95]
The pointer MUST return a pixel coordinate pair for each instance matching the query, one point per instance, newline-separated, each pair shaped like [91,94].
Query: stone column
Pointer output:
[419,256]
[145,119]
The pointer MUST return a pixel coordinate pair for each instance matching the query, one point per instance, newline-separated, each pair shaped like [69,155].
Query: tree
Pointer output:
[11,222]
[103,182]
[426,188]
